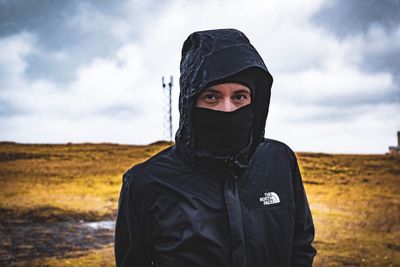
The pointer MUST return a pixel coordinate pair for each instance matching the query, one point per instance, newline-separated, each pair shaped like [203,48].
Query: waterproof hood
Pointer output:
[209,57]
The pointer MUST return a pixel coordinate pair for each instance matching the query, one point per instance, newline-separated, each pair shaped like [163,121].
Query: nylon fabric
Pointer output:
[222,133]
[181,208]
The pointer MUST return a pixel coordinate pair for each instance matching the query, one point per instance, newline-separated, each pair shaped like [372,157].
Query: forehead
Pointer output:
[227,88]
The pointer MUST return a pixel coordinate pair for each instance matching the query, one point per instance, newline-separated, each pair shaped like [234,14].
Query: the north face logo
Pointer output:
[270,198]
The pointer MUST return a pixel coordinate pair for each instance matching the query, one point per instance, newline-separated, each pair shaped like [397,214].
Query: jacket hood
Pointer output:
[208,57]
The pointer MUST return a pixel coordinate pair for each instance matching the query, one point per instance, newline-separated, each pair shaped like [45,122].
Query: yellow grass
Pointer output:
[355,203]
[355,199]
[82,179]
[96,258]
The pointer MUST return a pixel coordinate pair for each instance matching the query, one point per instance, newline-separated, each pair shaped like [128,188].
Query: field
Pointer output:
[51,195]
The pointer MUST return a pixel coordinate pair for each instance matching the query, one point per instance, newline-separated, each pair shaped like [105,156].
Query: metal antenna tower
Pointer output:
[168,118]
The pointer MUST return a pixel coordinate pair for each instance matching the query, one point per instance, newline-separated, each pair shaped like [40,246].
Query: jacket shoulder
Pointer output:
[274,149]
[276,145]
[139,170]
[163,164]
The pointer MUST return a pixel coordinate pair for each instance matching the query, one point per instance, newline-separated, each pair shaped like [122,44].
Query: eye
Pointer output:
[210,98]
[240,97]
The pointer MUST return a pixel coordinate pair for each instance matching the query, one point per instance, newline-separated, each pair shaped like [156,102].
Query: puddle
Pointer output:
[108,225]
[28,241]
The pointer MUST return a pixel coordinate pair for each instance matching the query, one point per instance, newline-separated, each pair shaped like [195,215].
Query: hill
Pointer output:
[355,201]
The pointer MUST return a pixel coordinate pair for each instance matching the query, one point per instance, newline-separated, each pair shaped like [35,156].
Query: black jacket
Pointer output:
[182,208]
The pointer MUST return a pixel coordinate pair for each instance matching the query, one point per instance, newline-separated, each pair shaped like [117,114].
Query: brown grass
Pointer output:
[59,180]
[355,199]
[96,258]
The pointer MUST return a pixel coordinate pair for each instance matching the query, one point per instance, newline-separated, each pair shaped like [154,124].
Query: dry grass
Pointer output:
[55,180]
[97,258]
[355,199]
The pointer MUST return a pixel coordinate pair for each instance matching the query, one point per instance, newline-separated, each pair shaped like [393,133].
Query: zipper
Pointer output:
[235,216]
[231,164]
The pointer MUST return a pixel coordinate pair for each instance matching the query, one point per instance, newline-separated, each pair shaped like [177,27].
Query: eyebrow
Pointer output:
[210,90]
[243,91]
[218,92]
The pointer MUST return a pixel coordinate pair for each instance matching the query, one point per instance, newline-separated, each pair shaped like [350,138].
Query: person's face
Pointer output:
[225,97]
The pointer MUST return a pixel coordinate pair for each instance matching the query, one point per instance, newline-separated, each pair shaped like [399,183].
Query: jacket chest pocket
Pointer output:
[272,216]
[269,232]
[193,240]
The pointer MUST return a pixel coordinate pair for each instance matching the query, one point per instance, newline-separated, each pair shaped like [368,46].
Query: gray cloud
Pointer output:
[378,21]
[47,19]
[88,70]
[119,111]
[7,109]
[70,33]
[350,17]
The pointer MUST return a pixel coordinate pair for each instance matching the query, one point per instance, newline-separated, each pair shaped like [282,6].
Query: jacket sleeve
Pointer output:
[130,247]
[303,251]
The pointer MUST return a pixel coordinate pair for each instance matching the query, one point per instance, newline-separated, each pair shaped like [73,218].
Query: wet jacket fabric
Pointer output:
[184,208]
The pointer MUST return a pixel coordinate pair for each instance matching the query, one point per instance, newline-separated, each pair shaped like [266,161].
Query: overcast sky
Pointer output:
[90,71]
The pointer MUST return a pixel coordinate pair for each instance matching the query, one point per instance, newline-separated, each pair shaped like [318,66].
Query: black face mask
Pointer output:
[222,133]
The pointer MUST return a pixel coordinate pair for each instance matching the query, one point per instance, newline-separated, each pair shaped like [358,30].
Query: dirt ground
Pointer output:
[25,241]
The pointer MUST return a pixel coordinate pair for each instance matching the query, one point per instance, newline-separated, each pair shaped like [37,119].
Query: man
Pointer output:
[222,195]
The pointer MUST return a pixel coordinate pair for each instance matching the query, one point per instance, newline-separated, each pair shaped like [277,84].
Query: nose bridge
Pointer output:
[227,104]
